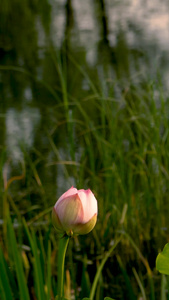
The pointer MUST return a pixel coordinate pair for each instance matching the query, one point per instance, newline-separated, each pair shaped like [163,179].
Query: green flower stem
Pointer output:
[63,243]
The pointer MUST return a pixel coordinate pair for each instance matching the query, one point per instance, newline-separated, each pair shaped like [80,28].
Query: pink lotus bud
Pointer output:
[75,212]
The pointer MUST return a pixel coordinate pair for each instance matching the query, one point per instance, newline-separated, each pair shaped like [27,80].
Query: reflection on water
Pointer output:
[58,22]
[124,40]
[20,131]
[151,18]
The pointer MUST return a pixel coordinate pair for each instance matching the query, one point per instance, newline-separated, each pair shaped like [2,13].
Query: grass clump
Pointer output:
[113,140]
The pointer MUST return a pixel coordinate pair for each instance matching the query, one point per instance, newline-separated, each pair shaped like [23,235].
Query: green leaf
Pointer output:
[162,260]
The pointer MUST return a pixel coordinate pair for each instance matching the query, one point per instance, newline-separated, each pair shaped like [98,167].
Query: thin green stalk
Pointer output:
[106,256]
[63,243]
[49,270]
[140,284]
[163,287]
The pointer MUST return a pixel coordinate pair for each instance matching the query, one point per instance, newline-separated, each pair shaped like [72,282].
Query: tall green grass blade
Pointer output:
[145,262]
[130,293]
[5,288]
[36,263]
[2,291]
[23,289]
[83,72]
[85,281]
[49,271]
[152,292]
[140,284]
[99,270]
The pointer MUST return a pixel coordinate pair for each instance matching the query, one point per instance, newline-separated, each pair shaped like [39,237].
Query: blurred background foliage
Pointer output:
[84,102]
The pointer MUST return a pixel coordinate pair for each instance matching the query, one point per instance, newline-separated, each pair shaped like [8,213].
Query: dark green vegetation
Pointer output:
[105,127]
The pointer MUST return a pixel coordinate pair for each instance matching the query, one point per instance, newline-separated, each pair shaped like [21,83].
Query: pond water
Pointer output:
[111,40]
